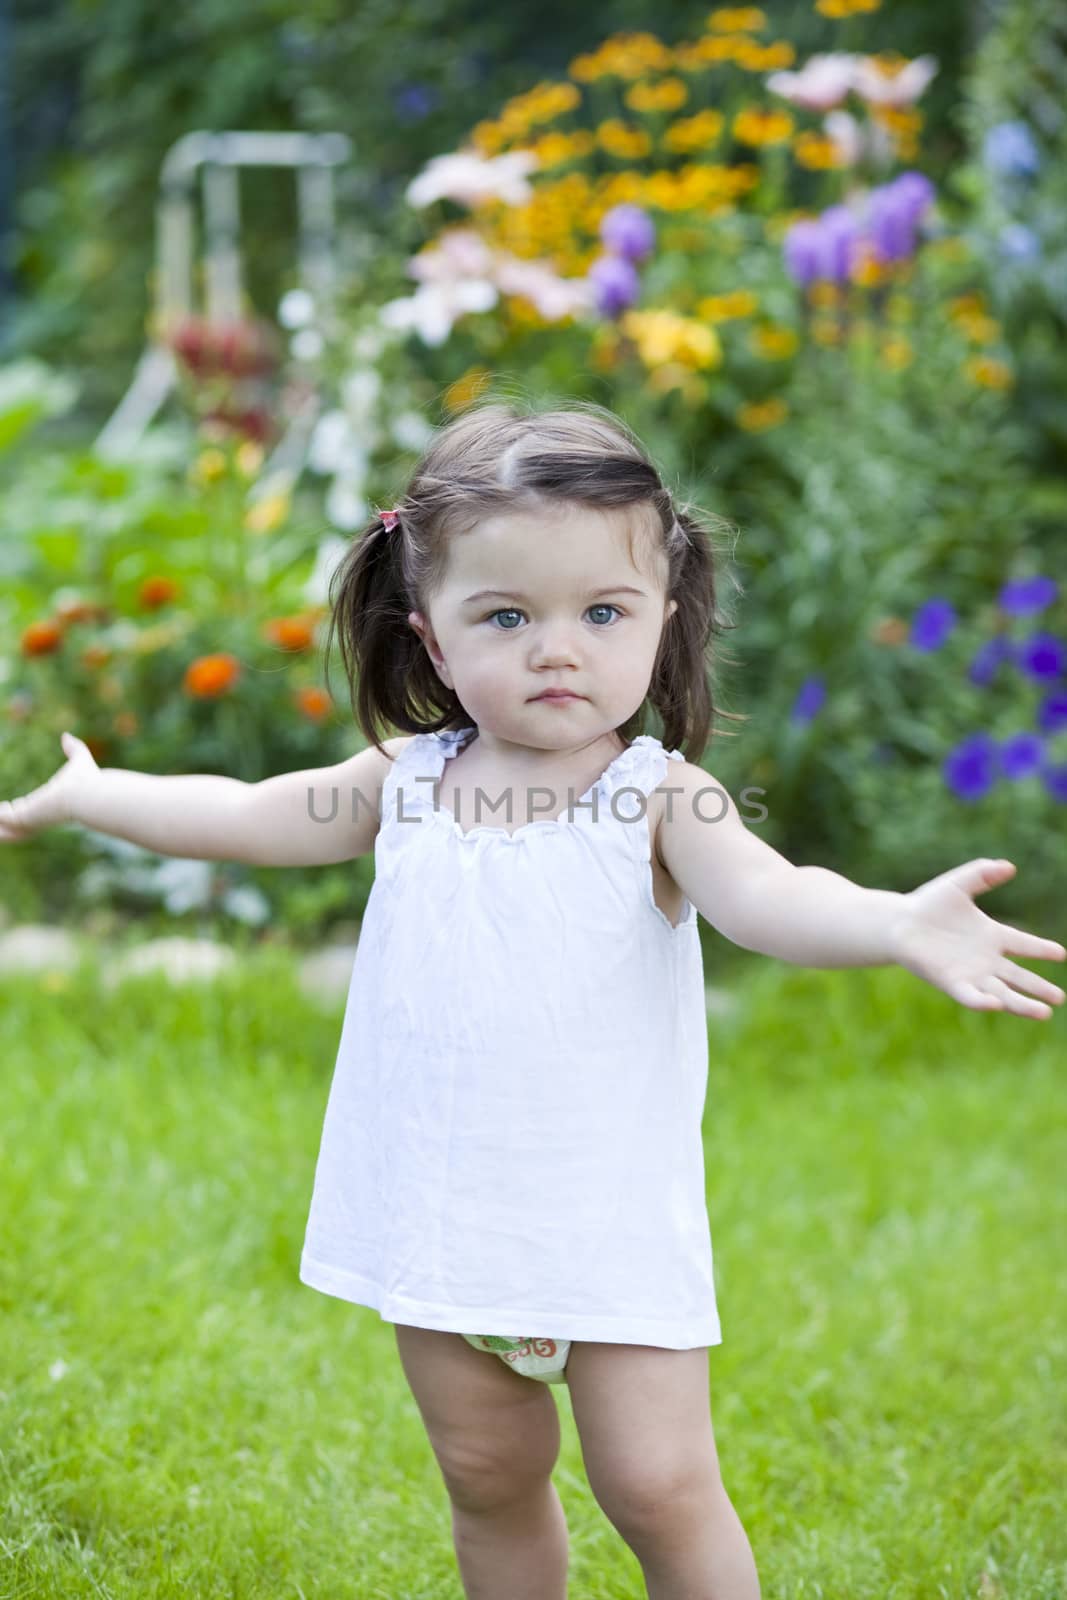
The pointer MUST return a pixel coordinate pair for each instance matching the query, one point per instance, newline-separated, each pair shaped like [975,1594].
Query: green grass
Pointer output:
[180,1416]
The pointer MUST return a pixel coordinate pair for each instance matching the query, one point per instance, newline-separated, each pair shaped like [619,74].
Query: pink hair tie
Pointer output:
[389,519]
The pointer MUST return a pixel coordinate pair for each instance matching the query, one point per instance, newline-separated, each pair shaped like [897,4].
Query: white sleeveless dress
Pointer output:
[512,1140]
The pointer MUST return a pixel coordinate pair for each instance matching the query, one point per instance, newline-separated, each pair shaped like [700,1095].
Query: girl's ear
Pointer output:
[671,609]
[422,627]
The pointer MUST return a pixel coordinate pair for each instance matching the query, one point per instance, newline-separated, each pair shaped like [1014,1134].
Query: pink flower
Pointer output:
[902,88]
[468,177]
[554,297]
[847,135]
[821,83]
[434,307]
[457,253]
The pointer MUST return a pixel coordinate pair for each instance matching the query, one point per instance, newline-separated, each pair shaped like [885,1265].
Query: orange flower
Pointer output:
[290,633]
[97,748]
[210,676]
[157,591]
[890,630]
[95,655]
[42,638]
[125,724]
[313,703]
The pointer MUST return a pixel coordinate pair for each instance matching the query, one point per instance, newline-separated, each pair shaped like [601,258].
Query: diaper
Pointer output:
[544,1359]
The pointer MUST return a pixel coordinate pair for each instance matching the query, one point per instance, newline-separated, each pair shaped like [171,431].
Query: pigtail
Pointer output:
[391,679]
[684,674]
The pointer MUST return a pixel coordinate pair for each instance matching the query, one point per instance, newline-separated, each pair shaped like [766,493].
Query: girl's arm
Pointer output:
[309,818]
[816,918]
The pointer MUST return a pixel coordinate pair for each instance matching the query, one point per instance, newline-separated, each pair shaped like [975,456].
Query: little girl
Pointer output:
[511,1168]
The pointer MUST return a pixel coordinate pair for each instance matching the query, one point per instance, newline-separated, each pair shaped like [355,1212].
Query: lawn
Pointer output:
[180,1416]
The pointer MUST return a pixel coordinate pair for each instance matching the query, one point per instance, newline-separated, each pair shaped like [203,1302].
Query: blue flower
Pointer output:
[1017,242]
[970,770]
[413,101]
[932,624]
[802,248]
[1020,596]
[1009,150]
[1052,713]
[1055,781]
[1043,655]
[983,669]
[809,700]
[1021,755]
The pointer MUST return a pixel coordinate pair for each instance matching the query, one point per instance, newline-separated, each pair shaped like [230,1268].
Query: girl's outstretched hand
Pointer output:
[52,802]
[943,938]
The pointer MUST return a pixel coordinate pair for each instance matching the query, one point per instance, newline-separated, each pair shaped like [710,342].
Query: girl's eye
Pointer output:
[512,611]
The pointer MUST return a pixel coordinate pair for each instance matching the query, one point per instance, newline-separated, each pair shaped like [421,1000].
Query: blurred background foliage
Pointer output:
[886,443]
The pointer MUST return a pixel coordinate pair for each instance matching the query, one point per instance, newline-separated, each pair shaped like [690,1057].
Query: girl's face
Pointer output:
[548,600]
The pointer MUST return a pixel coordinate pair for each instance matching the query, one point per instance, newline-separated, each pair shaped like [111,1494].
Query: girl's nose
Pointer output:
[554,646]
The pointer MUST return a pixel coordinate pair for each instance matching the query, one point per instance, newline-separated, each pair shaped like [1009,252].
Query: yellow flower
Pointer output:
[620,139]
[773,342]
[587,68]
[663,336]
[978,328]
[897,352]
[989,373]
[267,514]
[757,416]
[817,152]
[249,458]
[823,295]
[824,330]
[209,466]
[779,54]
[737,19]
[867,270]
[725,307]
[963,306]
[666,95]
[845,8]
[759,127]
[715,50]
[466,388]
[673,375]
[693,133]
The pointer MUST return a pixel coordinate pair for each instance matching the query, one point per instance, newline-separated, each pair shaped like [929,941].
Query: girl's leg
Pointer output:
[644,1420]
[496,1437]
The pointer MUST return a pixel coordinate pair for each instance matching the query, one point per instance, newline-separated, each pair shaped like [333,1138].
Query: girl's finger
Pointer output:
[1030,982]
[1017,1003]
[1017,942]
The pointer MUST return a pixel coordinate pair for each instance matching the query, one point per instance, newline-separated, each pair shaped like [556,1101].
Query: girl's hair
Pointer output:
[493,459]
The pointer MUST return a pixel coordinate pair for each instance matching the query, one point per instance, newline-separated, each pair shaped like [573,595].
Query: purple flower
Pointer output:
[1009,150]
[890,224]
[932,624]
[1043,655]
[628,232]
[1021,755]
[1020,596]
[1052,712]
[839,235]
[913,192]
[970,770]
[803,251]
[1055,781]
[1017,242]
[983,668]
[809,700]
[615,283]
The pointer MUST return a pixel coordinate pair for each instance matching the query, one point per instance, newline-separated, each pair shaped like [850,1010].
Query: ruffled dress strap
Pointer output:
[423,757]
